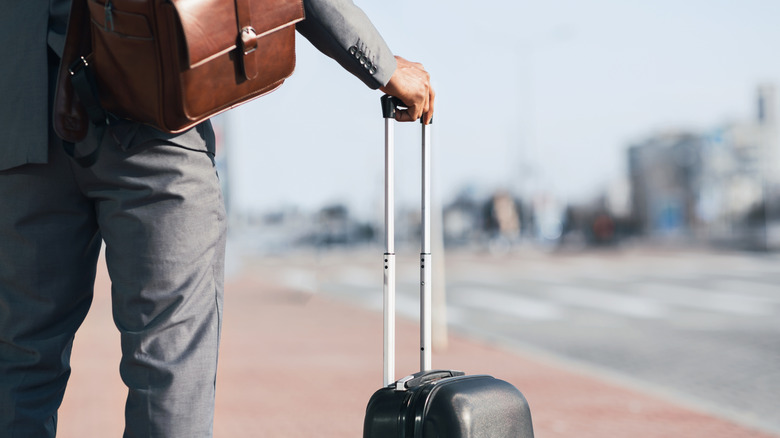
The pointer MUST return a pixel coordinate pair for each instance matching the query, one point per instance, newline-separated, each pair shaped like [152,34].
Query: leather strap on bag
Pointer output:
[85,86]
[70,118]
[78,117]
[247,39]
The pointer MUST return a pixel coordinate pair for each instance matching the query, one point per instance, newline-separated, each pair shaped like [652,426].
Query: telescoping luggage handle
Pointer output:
[389,106]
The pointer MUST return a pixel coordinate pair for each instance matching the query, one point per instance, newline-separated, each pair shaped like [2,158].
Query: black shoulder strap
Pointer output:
[84,85]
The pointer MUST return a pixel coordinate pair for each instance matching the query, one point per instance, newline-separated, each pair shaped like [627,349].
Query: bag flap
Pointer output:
[210,27]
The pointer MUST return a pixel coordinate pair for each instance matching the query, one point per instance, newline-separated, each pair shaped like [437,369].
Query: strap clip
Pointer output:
[248,44]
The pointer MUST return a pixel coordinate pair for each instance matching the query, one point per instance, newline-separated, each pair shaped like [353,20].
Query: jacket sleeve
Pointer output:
[341,30]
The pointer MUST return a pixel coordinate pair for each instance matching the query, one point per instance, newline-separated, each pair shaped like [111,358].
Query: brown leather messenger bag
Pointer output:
[170,64]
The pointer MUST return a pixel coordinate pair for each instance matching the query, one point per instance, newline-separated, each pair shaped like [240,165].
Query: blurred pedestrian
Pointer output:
[155,200]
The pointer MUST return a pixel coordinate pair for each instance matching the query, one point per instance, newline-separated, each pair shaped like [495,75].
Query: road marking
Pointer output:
[508,303]
[762,291]
[709,300]
[612,302]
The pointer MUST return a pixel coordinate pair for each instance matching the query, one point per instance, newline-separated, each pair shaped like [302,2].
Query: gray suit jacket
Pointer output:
[31,32]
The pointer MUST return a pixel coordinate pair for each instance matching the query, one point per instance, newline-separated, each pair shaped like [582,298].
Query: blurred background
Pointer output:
[606,186]
[566,123]
[606,223]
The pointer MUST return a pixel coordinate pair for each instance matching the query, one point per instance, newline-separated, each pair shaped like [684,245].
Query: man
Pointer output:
[154,199]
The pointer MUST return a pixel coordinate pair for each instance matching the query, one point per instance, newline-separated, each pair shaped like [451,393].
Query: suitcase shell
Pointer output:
[475,406]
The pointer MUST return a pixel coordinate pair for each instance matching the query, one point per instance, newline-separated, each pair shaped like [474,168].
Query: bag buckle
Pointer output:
[77,65]
[248,40]
[248,44]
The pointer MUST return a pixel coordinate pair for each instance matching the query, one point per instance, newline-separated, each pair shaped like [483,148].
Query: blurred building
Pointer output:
[742,173]
[721,185]
[463,221]
[665,171]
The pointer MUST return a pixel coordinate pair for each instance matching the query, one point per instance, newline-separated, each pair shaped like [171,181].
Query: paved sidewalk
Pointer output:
[297,364]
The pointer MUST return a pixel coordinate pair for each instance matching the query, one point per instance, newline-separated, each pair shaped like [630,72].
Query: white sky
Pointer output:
[543,95]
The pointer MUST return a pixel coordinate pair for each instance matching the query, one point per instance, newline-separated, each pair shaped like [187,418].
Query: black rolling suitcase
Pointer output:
[433,403]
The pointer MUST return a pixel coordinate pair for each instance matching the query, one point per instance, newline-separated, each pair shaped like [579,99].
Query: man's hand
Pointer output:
[412,84]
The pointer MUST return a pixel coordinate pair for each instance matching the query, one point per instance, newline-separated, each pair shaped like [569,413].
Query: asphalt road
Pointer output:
[697,327]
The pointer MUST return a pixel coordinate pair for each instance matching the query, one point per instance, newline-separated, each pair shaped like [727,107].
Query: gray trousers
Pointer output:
[155,200]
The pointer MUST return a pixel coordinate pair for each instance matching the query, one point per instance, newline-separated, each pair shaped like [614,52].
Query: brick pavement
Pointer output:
[297,364]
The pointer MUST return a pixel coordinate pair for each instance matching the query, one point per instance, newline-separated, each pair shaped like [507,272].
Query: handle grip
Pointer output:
[391,104]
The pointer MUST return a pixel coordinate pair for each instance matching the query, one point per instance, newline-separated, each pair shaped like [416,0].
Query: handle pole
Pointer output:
[389,105]
[425,253]
[389,256]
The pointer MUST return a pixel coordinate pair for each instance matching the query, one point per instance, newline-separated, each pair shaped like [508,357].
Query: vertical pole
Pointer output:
[425,254]
[389,258]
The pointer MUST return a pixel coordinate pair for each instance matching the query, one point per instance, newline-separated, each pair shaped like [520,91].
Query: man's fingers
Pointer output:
[415,112]
[407,115]
[403,116]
